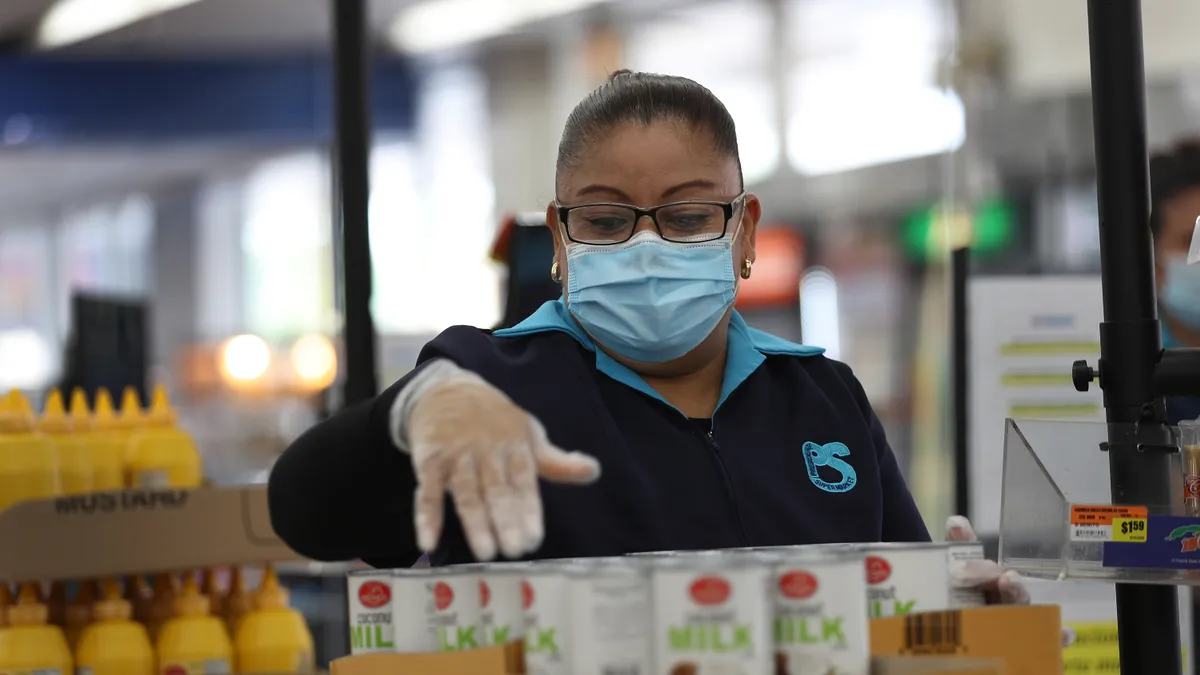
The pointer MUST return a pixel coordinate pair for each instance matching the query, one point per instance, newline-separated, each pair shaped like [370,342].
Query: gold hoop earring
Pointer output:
[746,265]
[555,273]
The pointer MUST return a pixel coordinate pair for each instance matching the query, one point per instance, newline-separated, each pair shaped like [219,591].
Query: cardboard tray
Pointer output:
[138,532]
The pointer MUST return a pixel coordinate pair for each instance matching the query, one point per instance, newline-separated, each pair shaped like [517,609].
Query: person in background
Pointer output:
[711,434]
[1174,207]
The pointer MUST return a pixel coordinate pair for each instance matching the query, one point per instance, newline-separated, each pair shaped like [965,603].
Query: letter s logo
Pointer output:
[816,456]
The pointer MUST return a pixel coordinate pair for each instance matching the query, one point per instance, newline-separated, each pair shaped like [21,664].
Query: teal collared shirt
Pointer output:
[747,349]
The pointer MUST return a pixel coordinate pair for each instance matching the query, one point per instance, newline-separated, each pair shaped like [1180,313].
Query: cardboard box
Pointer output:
[138,532]
[934,665]
[509,661]
[1027,639]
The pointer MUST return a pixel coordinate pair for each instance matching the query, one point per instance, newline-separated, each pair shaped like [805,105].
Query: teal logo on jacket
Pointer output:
[829,455]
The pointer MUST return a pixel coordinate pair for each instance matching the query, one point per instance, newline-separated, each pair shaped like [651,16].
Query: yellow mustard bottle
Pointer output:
[74,458]
[140,597]
[79,613]
[162,603]
[273,639]
[238,602]
[193,641]
[30,643]
[28,459]
[114,644]
[105,450]
[129,423]
[56,604]
[162,454]
[212,590]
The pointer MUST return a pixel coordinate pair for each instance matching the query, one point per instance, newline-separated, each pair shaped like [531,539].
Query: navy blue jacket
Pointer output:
[794,455]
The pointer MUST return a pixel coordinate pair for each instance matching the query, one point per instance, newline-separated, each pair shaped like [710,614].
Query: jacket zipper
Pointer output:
[716,450]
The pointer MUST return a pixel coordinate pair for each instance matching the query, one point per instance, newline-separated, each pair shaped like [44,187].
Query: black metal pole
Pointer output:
[352,151]
[1130,343]
[960,260]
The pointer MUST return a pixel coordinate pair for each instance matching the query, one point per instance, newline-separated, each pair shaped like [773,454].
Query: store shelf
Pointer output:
[137,532]
[1058,520]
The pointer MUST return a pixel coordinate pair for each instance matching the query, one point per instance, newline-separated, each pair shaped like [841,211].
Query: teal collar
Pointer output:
[748,348]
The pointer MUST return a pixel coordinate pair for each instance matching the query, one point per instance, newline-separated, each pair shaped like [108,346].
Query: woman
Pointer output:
[1175,204]
[710,434]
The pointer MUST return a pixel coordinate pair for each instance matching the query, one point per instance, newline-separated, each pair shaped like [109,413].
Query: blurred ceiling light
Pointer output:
[26,360]
[441,24]
[244,358]
[315,361]
[71,21]
[861,124]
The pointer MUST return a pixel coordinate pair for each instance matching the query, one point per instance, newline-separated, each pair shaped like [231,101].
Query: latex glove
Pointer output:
[998,584]
[469,439]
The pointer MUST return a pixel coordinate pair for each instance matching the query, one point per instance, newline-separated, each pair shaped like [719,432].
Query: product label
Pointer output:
[453,608]
[129,500]
[1164,542]
[370,599]
[205,667]
[501,617]
[1107,523]
[610,625]
[719,619]
[918,580]
[545,603]
[816,630]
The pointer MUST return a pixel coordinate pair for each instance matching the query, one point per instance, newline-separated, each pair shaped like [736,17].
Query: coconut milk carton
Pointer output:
[711,615]
[916,577]
[820,619]
[369,596]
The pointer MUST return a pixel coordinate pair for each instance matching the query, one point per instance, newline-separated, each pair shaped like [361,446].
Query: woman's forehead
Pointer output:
[647,162]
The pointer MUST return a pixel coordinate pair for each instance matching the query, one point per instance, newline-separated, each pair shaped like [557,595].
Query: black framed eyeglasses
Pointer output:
[687,222]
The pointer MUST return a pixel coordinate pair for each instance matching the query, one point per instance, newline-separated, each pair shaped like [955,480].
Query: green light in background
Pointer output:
[930,234]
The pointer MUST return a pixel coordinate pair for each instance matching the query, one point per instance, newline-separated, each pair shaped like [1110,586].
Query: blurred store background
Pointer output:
[165,185]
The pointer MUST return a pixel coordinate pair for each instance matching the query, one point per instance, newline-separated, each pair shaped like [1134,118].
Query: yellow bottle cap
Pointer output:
[131,409]
[16,415]
[111,606]
[81,417]
[103,416]
[270,594]
[54,416]
[29,610]
[160,414]
[190,601]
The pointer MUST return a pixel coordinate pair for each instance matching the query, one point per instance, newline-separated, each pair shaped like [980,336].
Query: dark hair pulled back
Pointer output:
[1171,173]
[645,98]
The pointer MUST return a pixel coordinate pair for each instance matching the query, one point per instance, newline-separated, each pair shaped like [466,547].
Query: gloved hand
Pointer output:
[468,438]
[998,584]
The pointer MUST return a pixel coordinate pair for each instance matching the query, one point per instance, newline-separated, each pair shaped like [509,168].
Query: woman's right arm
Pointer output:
[343,490]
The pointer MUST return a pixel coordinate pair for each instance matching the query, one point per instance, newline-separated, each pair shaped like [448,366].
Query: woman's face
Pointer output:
[649,165]
[1174,240]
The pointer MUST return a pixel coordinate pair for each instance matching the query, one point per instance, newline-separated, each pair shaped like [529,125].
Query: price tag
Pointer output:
[1102,522]
[1131,530]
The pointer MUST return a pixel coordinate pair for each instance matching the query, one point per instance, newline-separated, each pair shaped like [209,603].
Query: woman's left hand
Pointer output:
[1001,586]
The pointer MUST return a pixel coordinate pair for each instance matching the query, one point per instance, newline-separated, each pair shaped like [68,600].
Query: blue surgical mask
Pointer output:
[1181,293]
[647,299]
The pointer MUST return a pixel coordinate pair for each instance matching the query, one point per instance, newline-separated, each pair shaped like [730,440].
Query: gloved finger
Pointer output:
[558,465]
[522,473]
[958,528]
[429,500]
[1012,589]
[501,499]
[472,510]
[982,574]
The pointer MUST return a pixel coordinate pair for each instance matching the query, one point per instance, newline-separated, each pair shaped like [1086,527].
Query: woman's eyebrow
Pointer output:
[698,183]
[602,189]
